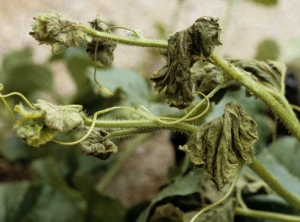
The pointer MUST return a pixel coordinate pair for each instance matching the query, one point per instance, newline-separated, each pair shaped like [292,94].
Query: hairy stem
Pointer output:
[263,173]
[290,121]
[182,127]
[125,40]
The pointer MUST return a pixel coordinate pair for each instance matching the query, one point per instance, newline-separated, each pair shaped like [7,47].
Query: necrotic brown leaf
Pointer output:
[184,49]
[218,146]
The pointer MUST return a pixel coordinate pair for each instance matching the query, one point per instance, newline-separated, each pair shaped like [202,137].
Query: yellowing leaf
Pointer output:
[218,146]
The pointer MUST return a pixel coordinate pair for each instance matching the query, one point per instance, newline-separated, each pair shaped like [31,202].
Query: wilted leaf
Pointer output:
[209,77]
[98,145]
[220,213]
[184,49]
[218,146]
[167,213]
[267,49]
[268,73]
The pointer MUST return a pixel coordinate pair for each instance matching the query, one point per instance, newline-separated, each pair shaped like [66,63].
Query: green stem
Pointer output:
[125,40]
[123,157]
[182,127]
[266,215]
[290,121]
[263,173]
[129,132]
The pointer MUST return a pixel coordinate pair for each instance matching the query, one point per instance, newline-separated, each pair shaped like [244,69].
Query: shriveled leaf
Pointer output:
[168,213]
[53,28]
[218,146]
[220,213]
[269,73]
[184,49]
[209,77]
[256,108]
[267,49]
[98,145]
[105,48]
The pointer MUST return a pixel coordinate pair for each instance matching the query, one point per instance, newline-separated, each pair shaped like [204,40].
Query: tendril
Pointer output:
[223,198]
[101,88]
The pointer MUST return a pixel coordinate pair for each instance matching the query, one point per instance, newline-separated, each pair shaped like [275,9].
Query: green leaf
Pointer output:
[218,146]
[280,170]
[14,149]
[134,87]
[11,196]
[268,49]
[182,186]
[33,203]
[17,59]
[45,203]
[28,77]
[100,208]
[265,2]
[286,150]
